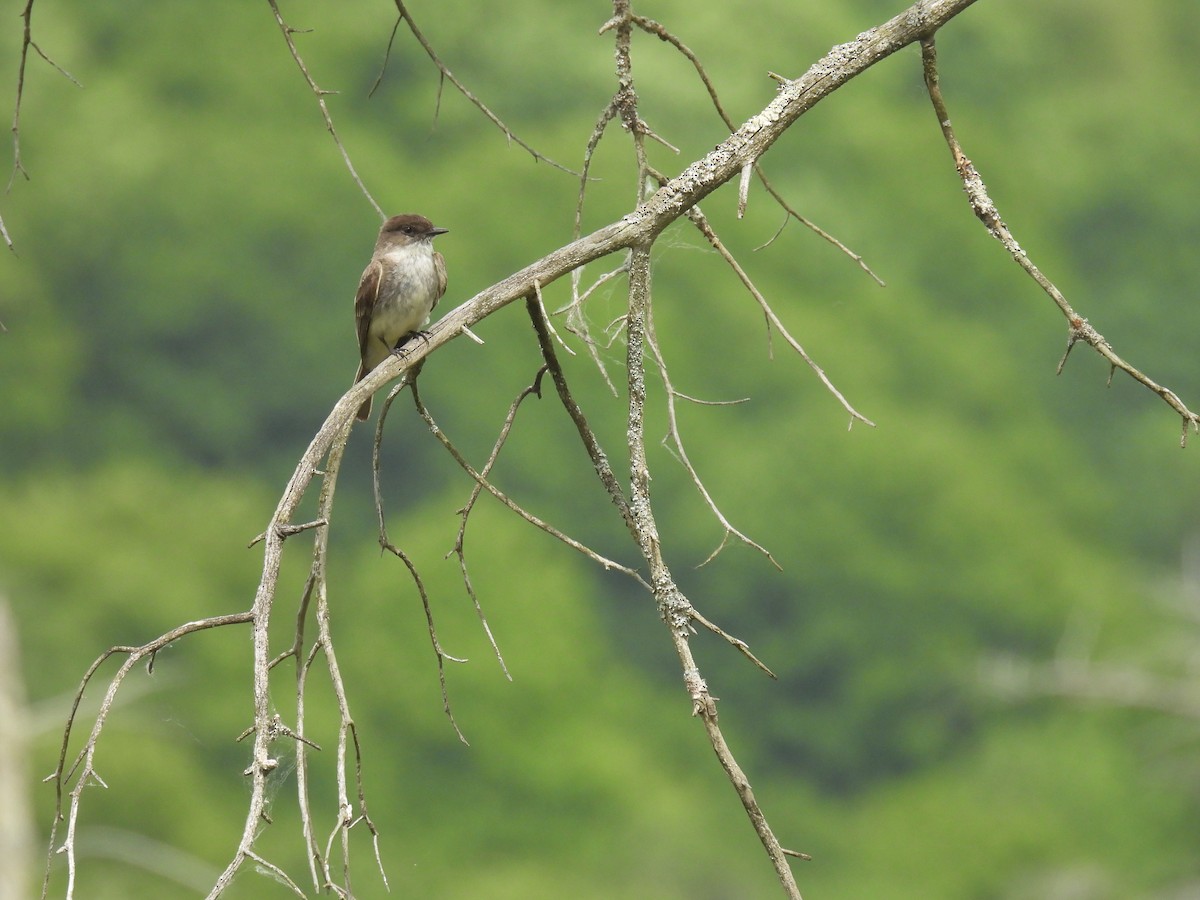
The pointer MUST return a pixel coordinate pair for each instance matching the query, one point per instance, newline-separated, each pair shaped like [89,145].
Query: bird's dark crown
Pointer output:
[410,224]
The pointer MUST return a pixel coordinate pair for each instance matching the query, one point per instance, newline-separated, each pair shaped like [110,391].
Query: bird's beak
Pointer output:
[434,232]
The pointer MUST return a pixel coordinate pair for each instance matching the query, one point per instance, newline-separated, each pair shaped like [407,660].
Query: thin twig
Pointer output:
[464,513]
[673,606]
[606,115]
[83,770]
[675,436]
[577,323]
[603,561]
[462,89]
[698,219]
[278,873]
[1078,328]
[741,646]
[320,94]
[386,544]
[591,443]
[819,232]
[652,27]
[27,43]
[329,442]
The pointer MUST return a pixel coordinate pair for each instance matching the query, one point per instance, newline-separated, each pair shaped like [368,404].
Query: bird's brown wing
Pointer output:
[364,303]
[439,263]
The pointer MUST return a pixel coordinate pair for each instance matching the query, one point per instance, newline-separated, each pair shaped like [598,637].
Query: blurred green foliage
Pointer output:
[179,323]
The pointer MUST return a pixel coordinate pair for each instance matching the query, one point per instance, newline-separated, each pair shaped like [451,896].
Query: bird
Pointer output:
[398,290]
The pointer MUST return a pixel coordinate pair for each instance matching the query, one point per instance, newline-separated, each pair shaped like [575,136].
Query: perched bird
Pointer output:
[399,288]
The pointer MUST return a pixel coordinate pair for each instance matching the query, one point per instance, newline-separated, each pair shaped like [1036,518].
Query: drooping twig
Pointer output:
[1078,328]
[601,463]
[328,442]
[320,94]
[741,646]
[591,443]
[697,217]
[464,513]
[27,44]
[462,89]
[386,544]
[674,607]
[277,872]
[82,770]
[349,816]
[652,27]
[623,105]
[675,437]
[507,501]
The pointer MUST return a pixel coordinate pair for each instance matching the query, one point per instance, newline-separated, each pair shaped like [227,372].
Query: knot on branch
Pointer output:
[703,703]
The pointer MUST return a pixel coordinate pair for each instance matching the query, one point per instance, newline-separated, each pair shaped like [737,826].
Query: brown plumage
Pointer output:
[398,290]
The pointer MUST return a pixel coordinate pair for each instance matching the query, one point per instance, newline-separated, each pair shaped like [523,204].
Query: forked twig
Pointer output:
[742,647]
[652,27]
[409,380]
[698,219]
[507,501]
[346,728]
[674,607]
[1078,328]
[604,470]
[27,43]
[676,438]
[82,770]
[464,513]
[320,94]
[462,89]
[600,459]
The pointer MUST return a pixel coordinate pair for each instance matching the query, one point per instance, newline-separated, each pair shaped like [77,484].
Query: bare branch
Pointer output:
[1079,329]
[507,501]
[698,219]
[674,608]
[27,43]
[591,443]
[320,94]
[635,233]
[676,438]
[462,89]
[655,28]
[819,232]
[329,441]
[386,543]
[83,770]
[741,646]
[459,549]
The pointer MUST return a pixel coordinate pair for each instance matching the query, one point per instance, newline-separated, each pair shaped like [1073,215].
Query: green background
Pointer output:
[178,316]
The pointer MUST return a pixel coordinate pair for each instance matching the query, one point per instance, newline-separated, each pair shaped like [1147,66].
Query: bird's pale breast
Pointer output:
[407,292]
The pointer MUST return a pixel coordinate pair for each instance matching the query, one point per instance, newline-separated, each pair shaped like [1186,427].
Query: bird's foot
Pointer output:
[399,349]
